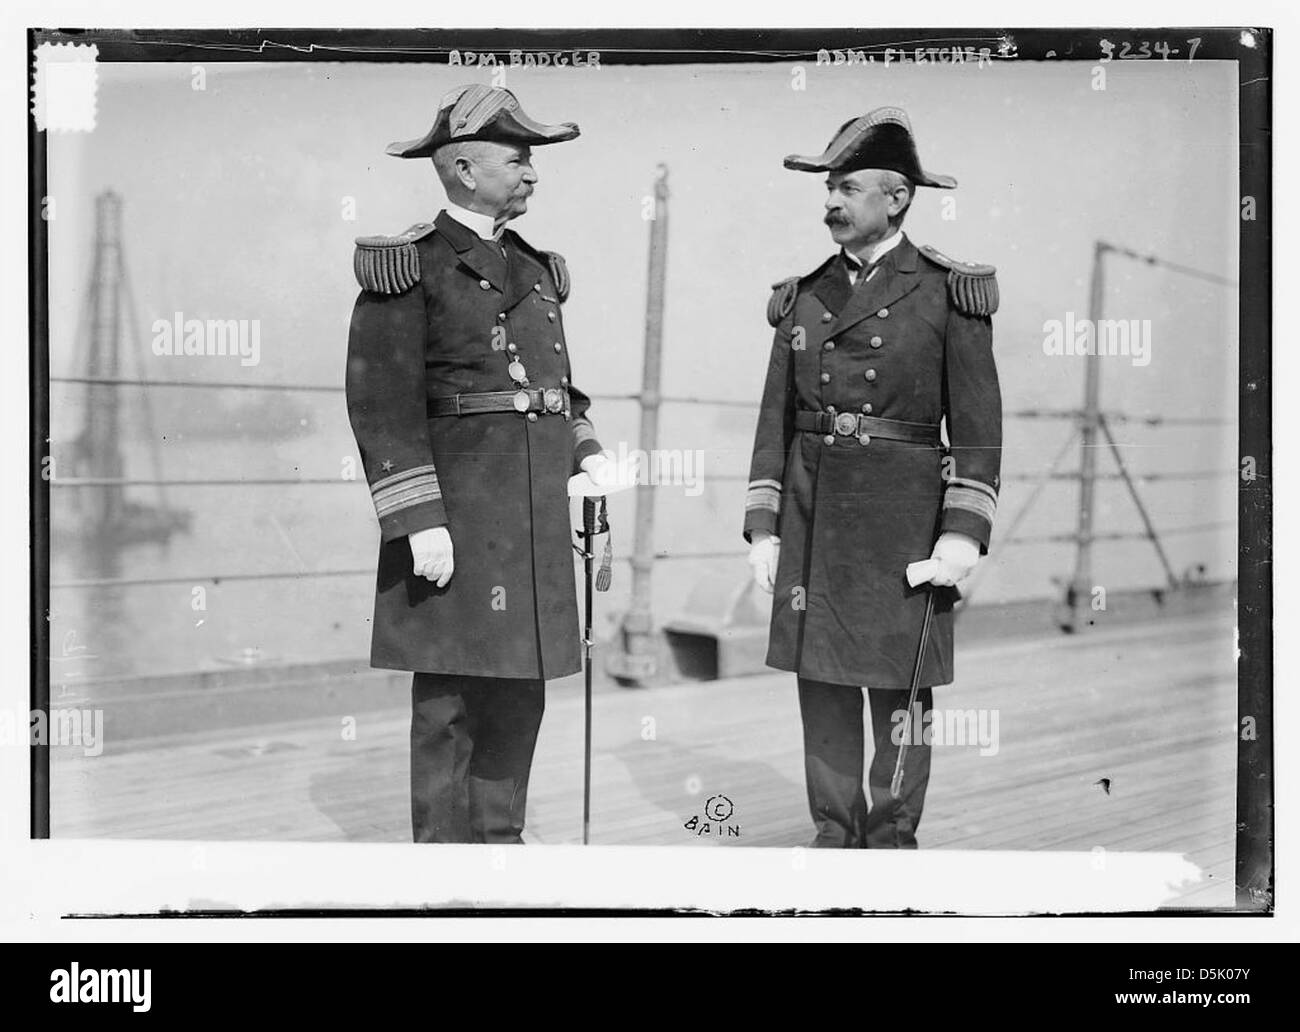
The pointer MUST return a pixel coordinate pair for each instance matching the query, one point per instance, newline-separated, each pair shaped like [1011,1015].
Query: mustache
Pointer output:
[835,220]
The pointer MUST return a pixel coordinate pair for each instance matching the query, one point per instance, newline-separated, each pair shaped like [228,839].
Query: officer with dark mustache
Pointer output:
[881,355]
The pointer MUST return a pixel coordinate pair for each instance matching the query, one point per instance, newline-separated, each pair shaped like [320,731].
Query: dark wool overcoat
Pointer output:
[443,313]
[912,342]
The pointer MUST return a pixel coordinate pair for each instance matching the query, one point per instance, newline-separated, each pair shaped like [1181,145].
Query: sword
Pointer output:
[582,486]
[592,524]
[914,571]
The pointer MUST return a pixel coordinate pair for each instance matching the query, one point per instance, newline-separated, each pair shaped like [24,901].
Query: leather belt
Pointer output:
[853,424]
[543,400]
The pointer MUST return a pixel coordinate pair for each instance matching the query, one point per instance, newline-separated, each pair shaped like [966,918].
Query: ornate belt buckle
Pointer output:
[553,399]
[846,424]
[521,401]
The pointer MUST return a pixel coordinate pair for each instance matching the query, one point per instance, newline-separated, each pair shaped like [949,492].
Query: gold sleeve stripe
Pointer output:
[406,489]
[583,431]
[971,501]
[406,474]
[407,497]
[975,485]
[761,495]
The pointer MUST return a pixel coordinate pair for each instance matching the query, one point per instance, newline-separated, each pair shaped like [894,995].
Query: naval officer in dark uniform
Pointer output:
[850,481]
[461,398]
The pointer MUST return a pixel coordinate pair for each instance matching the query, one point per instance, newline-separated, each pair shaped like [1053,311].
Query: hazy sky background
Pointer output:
[234,199]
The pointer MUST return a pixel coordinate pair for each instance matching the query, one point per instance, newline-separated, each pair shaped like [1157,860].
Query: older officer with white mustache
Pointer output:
[461,398]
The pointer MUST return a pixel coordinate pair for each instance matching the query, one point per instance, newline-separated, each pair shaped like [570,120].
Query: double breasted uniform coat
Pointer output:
[911,342]
[443,313]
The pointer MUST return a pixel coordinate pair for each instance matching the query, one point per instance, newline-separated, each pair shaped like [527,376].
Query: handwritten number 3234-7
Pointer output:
[1145,50]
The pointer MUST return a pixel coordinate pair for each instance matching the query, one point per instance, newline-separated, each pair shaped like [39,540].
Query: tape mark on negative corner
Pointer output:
[65,93]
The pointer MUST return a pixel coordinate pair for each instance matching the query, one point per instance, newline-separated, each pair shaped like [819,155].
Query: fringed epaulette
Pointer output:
[559,273]
[972,287]
[389,264]
[782,300]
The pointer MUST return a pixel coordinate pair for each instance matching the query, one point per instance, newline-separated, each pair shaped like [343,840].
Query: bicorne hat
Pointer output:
[879,139]
[477,112]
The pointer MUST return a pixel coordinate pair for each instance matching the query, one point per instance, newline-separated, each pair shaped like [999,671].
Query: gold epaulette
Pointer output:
[972,287]
[559,273]
[389,264]
[782,300]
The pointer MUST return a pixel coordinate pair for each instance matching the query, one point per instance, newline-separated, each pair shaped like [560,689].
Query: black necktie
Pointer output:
[862,271]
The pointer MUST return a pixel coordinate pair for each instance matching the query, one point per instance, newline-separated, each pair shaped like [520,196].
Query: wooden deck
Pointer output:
[1151,707]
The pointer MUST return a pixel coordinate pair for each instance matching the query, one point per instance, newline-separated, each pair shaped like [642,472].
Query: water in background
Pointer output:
[330,528]
[255,232]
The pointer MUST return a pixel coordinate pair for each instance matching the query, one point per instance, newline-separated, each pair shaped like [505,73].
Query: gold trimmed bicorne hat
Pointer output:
[879,139]
[476,112]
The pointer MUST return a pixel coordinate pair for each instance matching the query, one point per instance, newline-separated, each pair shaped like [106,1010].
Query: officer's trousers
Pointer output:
[833,744]
[472,741]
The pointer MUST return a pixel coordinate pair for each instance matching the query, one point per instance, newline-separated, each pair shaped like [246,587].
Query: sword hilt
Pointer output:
[593,523]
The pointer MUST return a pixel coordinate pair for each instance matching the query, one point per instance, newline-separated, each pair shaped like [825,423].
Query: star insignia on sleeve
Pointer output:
[386,465]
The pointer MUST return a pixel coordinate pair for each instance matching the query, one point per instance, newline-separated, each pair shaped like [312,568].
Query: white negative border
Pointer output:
[35,878]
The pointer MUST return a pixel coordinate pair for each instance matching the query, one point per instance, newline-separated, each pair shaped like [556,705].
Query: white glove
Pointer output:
[763,556]
[610,474]
[956,554]
[432,555]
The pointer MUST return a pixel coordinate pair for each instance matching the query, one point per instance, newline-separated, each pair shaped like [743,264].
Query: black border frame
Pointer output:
[1255,859]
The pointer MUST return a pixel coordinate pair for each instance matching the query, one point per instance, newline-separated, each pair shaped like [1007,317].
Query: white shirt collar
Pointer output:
[877,252]
[481,225]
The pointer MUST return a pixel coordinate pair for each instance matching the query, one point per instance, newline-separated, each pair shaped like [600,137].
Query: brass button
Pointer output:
[866,409]
[864,440]
[501,316]
[537,287]
[551,316]
[883,313]
[484,284]
[829,438]
[870,374]
[826,377]
[830,410]
[558,347]
[829,346]
[827,317]
[532,417]
[564,381]
[876,342]
[511,348]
